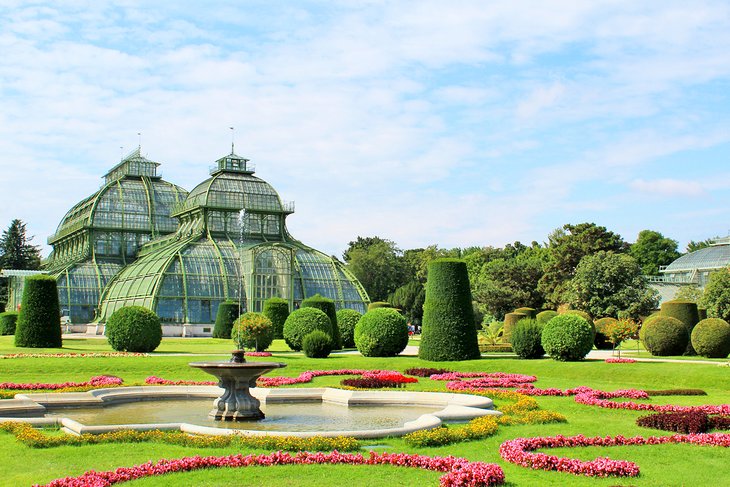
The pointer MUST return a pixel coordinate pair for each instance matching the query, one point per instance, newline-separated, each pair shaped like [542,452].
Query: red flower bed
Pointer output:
[684,422]
[370,383]
[459,472]
[520,451]
[97,381]
[426,372]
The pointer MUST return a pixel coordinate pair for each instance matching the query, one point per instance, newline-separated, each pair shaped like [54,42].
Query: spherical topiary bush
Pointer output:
[601,340]
[567,337]
[448,317]
[134,329]
[686,312]
[227,313]
[277,310]
[39,321]
[252,330]
[346,321]
[317,344]
[664,335]
[527,339]
[510,321]
[529,312]
[711,338]
[381,332]
[8,321]
[301,323]
[545,316]
[328,306]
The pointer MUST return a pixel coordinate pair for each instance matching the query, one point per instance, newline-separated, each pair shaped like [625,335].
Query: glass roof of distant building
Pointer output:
[715,256]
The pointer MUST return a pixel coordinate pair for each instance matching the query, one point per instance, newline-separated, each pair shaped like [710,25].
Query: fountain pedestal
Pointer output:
[236,377]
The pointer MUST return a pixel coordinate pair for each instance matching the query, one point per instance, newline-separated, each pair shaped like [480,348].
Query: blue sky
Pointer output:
[427,122]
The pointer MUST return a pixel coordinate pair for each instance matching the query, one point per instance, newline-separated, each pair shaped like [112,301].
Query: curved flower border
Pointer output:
[520,451]
[303,378]
[459,472]
[96,381]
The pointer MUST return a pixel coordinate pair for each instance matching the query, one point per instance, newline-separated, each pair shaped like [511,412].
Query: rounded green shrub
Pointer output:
[346,321]
[134,329]
[328,306]
[227,313]
[379,304]
[601,340]
[664,335]
[567,337]
[381,332]
[448,317]
[711,338]
[527,339]
[8,321]
[686,312]
[529,312]
[510,321]
[317,344]
[253,330]
[580,313]
[301,323]
[277,310]
[545,316]
[39,321]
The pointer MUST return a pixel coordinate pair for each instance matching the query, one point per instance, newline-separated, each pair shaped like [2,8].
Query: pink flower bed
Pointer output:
[520,451]
[616,360]
[97,381]
[459,472]
[157,381]
[495,376]
[601,399]
[73,355]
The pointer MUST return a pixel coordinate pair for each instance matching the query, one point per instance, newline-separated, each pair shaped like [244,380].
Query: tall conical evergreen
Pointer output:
[39,322]
[448,317]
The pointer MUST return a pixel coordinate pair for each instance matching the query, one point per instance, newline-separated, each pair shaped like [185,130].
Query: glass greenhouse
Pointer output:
[231,243]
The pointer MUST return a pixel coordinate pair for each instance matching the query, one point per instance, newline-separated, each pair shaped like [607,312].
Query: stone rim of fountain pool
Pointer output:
[455,407]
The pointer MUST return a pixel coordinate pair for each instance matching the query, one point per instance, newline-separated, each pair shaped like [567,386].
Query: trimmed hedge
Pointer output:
[227,313]
[510,321]
[710,338]
[686,312]
[567,337]
[134,329]
[381,332]
[448,317]
[529,312]
[39,321]
[545,316]
[379,304]
[277,310]
[328,306]
[664,335]
[253,330]
[8,321]
[527,338]
[317,344]
[346,321]
[301,323]
[601,340]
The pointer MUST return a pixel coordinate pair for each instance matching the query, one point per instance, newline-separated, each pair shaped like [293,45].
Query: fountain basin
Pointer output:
[447,407]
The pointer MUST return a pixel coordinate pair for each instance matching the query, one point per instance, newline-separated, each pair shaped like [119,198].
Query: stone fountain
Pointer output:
[237,376]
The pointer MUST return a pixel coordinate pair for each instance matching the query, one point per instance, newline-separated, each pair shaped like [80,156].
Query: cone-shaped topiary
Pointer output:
[39,321]
[664,335]
[252,330]
[277,310]
[134,329]
[529,312]
[379,304]
[301,323]
[227,313]
[448,318]
[567,337]
[510,321]
[328,306]
[317,344]
[686,312]
[346,321]
[8,320]
[527,339]
[601,340]
[381,332]
[711,338]
[545,316]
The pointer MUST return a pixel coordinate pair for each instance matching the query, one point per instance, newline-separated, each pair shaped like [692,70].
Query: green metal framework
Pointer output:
[104,232]
[231,243]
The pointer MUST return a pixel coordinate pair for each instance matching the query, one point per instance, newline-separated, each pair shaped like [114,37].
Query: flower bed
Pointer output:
[74,355]
[459,472]
[97,381]
[520,451]
[601,399]
[684,422]
[425,372]
[617,360]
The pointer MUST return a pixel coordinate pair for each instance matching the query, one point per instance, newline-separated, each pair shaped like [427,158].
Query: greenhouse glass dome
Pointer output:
[231,243]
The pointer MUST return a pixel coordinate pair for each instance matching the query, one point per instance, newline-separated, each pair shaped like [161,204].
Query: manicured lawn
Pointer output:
[660,465]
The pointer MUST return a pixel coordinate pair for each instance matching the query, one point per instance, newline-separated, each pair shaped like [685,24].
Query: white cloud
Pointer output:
[668,187]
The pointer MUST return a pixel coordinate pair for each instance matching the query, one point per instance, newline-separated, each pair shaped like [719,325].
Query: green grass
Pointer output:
[664,465]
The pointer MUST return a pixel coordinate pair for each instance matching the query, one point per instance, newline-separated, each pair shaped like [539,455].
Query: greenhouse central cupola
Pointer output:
[231,243]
